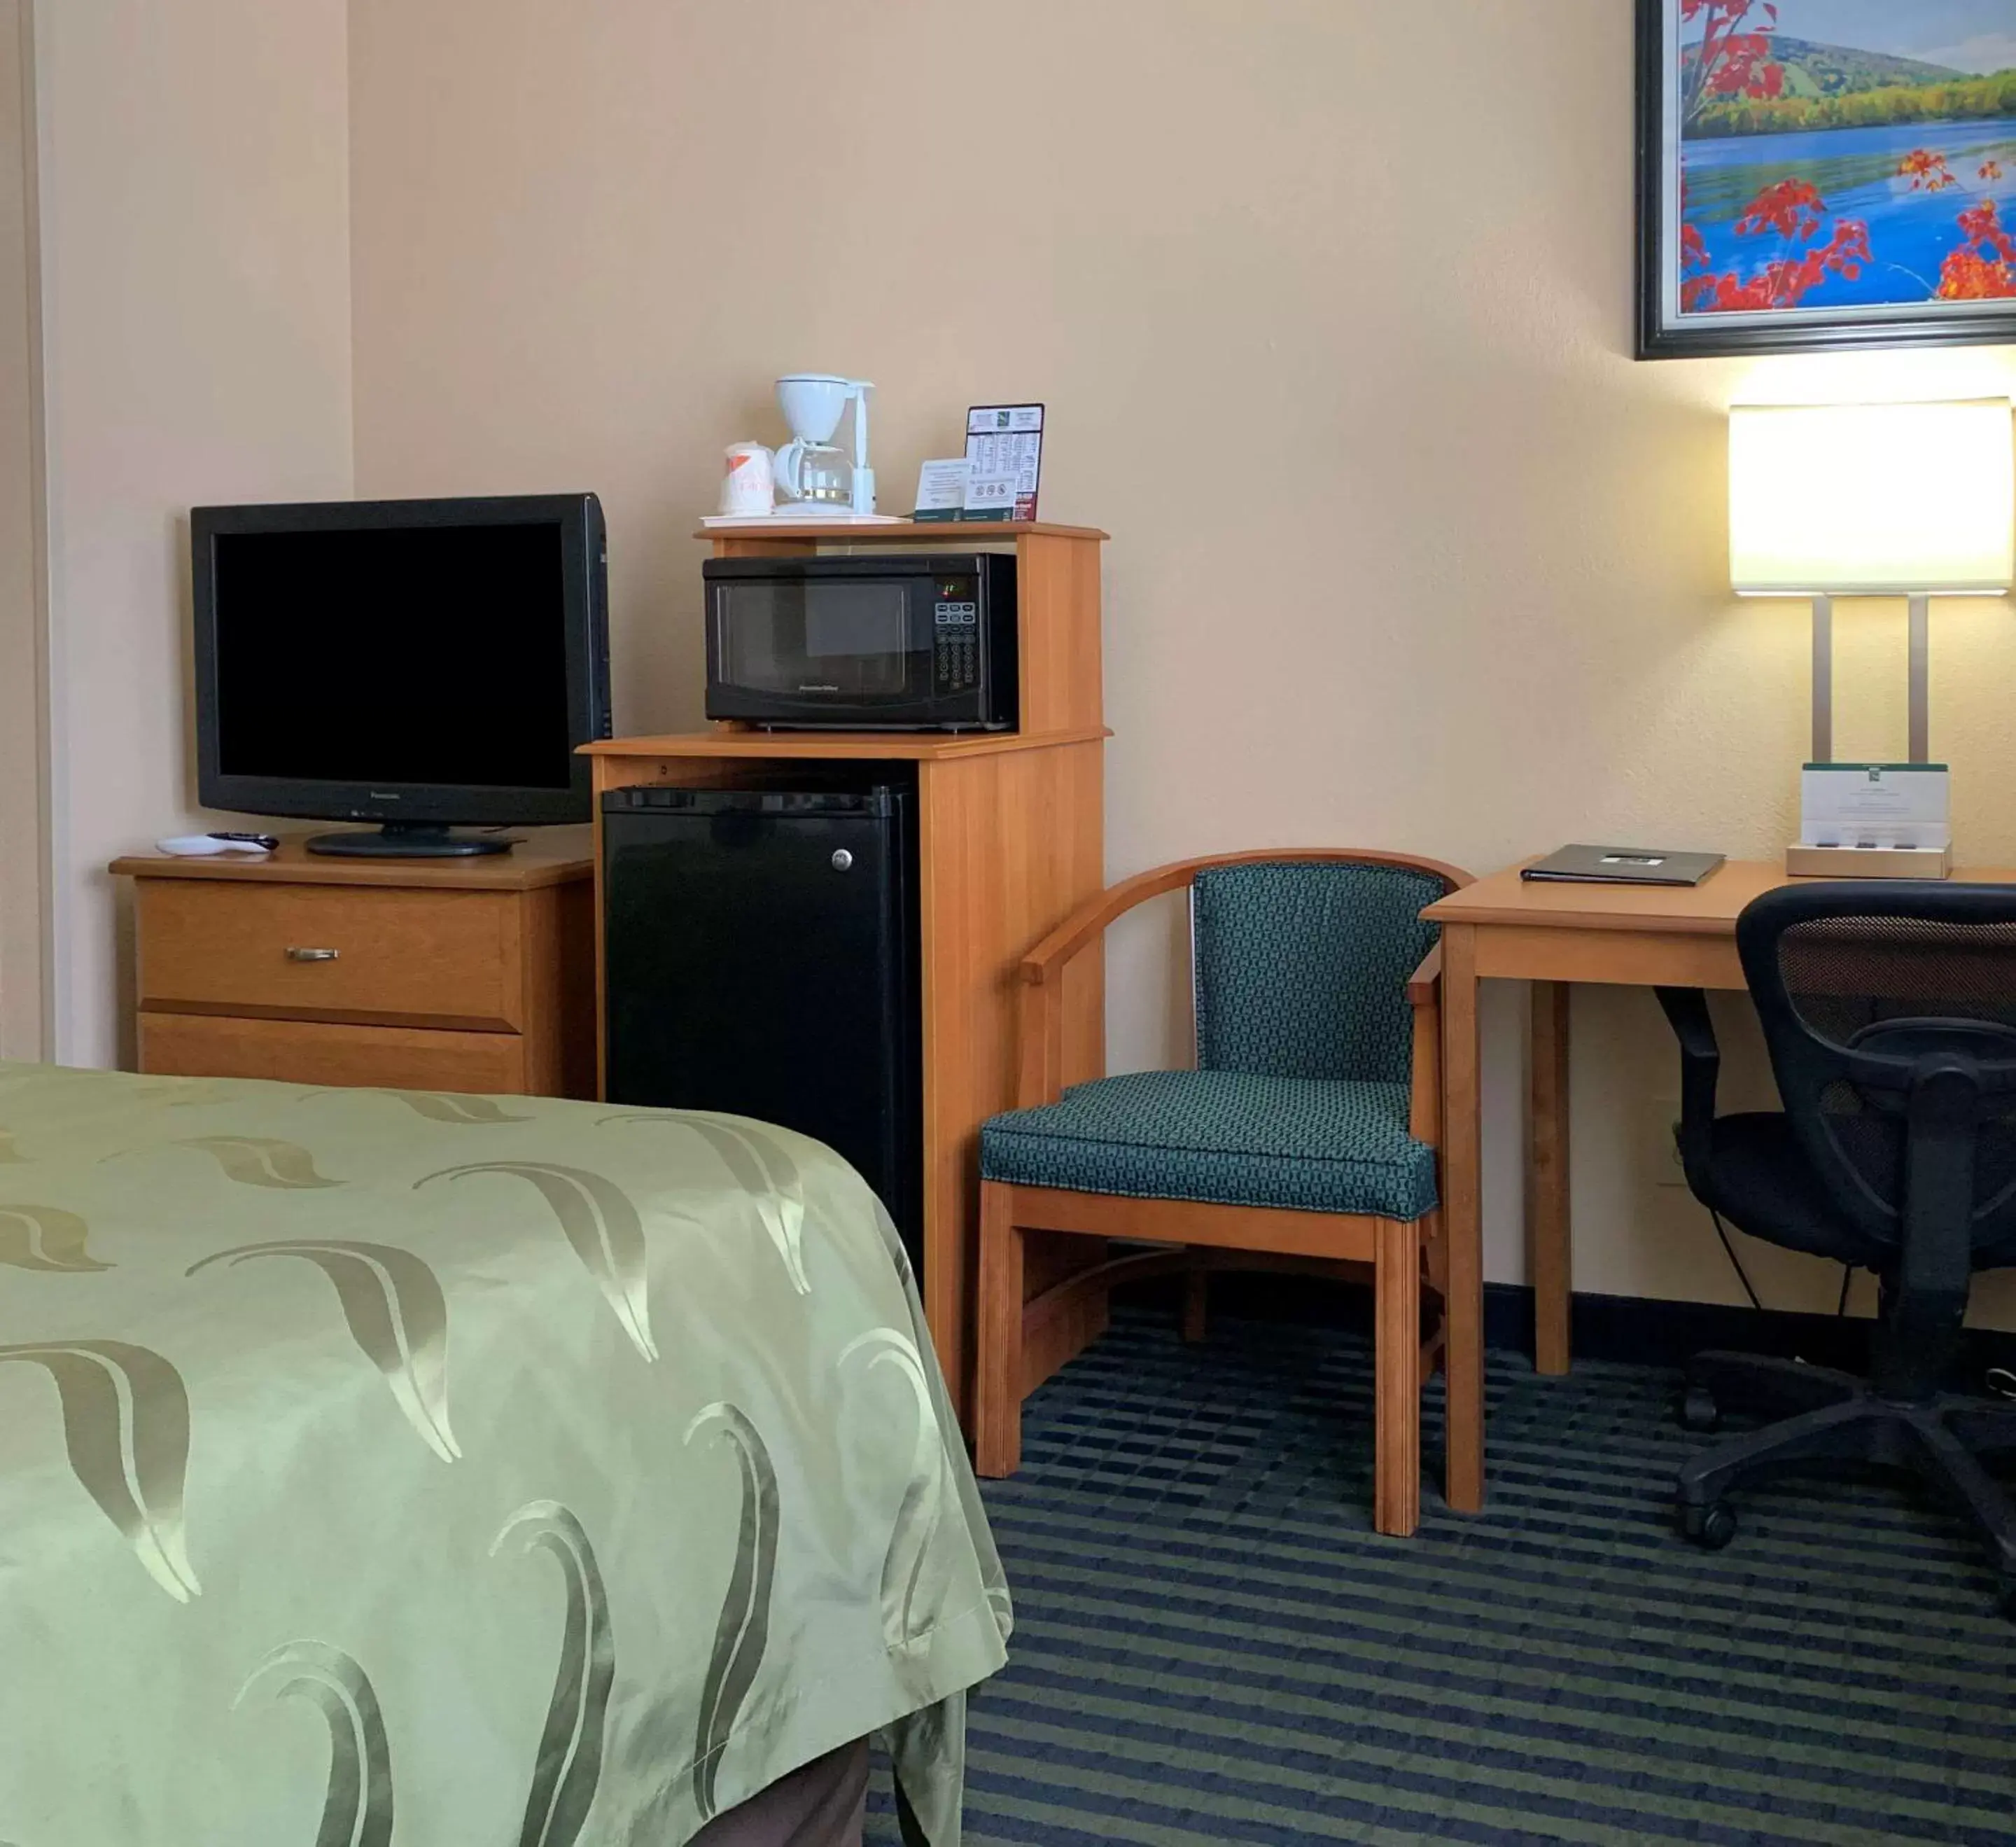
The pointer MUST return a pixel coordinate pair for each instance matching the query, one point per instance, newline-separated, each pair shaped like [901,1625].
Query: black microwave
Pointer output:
[888,644]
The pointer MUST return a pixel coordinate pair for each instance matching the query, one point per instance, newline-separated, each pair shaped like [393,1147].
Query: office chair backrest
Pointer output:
[1300,967]
[1890,1011]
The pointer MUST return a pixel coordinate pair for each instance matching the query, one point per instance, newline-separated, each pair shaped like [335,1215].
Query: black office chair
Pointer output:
[1890,1012]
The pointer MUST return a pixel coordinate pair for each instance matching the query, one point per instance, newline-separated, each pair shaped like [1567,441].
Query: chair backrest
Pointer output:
[1890,1012]
[1299,966]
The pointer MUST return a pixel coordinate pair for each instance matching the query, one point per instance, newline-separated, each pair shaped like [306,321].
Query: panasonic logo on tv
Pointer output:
[382,795]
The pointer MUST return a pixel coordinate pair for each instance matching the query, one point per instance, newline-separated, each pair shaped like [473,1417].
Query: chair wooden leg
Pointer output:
[1396,1500]
[1434,1276]
[1196,1303]
[997,1412]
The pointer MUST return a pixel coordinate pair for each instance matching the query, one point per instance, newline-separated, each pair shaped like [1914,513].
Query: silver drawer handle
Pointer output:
[312,955]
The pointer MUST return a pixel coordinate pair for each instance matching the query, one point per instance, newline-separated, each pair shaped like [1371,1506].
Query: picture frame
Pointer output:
[1807,195]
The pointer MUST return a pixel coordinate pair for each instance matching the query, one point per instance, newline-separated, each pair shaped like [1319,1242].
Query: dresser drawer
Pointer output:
[342,953]
[312,1052]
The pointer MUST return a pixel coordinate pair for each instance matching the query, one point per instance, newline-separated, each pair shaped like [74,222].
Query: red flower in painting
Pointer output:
[1969,277]
[1982,224]
[1991,170]
[1792,208]
[1927,171]
[1984,268]
[1730,61]
[1694,248]
[1746,69]
[1796,211]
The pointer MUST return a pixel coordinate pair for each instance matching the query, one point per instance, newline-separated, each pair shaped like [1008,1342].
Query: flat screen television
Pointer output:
[422,664]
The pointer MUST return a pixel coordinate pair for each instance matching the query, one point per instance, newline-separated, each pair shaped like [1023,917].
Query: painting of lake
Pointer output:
[1842,155]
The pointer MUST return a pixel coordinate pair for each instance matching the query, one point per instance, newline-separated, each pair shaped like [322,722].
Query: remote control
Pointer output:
[203,846]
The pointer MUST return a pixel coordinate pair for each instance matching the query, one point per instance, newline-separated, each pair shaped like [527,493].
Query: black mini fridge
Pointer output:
[761,959]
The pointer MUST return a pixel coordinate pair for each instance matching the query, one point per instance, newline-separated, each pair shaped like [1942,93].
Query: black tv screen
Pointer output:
[437,654]
[419,662]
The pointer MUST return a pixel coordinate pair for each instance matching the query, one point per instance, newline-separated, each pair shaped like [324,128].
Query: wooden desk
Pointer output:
[1503,928]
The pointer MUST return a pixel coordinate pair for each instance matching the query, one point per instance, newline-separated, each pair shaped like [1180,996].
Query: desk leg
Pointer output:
[1547,1217]
[1463,1222]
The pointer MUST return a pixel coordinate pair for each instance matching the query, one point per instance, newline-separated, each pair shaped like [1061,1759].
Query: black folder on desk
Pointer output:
[1621,865]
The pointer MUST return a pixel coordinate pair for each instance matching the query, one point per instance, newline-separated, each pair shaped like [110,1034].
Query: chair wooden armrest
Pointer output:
[1050,957]
[1041,1024]
[1425,985]
[1424,996]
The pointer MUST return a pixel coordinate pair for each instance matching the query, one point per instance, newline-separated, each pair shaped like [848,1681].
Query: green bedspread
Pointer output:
[385,1468]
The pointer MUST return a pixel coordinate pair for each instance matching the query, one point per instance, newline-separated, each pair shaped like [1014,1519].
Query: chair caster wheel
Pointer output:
[1695,1409]
[1712,1527]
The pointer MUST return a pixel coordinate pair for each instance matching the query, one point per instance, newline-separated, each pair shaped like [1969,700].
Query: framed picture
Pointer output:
[1825,174]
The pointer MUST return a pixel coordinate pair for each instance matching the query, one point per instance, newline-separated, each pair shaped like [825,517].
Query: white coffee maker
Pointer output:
[813,475]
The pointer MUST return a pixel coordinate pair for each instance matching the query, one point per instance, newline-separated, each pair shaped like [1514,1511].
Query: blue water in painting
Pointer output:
[1856,169]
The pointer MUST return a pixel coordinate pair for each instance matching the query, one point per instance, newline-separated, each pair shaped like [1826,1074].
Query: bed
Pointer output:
[406,1469]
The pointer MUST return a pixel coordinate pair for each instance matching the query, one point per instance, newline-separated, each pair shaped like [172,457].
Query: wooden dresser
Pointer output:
[442,974]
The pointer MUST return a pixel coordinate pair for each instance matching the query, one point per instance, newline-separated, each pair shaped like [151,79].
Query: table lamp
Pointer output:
[1910,500]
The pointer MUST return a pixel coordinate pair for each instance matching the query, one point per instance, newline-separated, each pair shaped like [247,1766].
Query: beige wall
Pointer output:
[21,848]
[1330,303]
[196,293]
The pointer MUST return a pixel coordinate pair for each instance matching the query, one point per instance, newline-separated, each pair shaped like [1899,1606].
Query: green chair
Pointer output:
[1305,1137]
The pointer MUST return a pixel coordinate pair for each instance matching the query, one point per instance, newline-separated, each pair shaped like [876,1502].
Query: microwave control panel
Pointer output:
[956,636]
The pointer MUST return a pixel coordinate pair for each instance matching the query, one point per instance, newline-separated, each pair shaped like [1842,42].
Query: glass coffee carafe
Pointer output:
[823,475]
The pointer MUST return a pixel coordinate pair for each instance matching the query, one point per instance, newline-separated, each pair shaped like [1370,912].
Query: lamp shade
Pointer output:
[1877,500]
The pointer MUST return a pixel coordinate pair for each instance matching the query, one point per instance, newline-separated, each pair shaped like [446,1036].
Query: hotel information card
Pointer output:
[941,488]
[1004,444]
[1875,805]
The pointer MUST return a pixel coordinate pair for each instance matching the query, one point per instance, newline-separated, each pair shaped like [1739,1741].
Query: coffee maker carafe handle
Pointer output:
[785,467]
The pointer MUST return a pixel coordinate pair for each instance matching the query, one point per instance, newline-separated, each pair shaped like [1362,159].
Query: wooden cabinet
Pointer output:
[442,974]
[1011,840]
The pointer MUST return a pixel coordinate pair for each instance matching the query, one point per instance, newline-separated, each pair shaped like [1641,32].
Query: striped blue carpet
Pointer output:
[1212,1646]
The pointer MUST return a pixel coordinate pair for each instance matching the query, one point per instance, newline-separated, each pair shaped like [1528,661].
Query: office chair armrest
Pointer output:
[1424,1102]
[1686,1011]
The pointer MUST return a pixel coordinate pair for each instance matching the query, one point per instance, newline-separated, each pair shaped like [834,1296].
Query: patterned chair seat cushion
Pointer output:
[1225,1138]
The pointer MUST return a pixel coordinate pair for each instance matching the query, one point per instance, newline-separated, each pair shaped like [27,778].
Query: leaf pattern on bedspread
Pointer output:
[600,1221]
[393,1304]
[357,1812]
[443,1106]
[744,1632]
[45,1238]
[191,1093]
[126,1429]
[261,1161]
[763,1169]
[569,1769]
[908,1563]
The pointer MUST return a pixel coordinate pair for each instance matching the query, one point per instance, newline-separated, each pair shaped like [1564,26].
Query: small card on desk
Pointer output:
[1621,865]
[1904,806]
